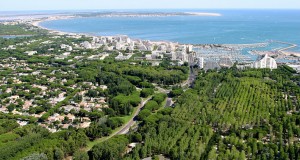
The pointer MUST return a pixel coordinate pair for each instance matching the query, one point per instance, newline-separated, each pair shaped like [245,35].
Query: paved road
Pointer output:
[190,80]
[125,128]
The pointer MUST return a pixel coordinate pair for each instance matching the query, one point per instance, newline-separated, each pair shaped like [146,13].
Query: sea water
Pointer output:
[233,27]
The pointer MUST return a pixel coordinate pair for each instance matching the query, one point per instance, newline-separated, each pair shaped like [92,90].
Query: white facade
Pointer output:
[87,45]
[265,62]
[30,53]
[190,48]
[201,62]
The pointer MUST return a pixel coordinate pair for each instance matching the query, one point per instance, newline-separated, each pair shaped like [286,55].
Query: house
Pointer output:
[22,123]
[27,104]
[66,53]
[60,118]
[86,119]
[66,47]
[65,126]
[30,53]
[103,87]
[71,117]
[52,119]
[68,108]
[84,124]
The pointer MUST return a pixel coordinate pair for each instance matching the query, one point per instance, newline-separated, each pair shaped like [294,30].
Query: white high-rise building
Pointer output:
[265,62]
[201,62]
[189,48]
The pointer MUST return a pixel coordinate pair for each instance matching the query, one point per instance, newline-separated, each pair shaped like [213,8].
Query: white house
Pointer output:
[30,53]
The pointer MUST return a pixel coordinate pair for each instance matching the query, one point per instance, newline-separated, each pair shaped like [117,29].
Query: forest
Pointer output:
[228,114]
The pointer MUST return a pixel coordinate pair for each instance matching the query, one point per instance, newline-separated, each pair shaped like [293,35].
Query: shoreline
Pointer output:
[37,23]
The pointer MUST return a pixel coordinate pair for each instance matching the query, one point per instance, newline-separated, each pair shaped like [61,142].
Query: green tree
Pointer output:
[80,155]
[58,154]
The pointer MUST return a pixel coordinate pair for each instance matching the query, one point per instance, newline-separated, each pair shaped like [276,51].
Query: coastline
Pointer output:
[37,23]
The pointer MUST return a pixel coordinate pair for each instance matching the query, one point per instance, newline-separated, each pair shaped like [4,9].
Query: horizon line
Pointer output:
[152,9]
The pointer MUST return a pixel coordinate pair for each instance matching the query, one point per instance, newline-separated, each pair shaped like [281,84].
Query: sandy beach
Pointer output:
[37,22]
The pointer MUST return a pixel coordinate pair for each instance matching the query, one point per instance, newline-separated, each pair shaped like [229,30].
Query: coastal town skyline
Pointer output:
[35,5]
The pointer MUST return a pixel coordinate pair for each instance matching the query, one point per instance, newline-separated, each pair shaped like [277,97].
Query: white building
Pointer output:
[69,48]
[66,54]
[189,48]
[265,62]
[180,55]
[108,48]
[201,62]
[95,39]
[121,57]
[30,53]
[86,45]
[143,48]
[162,48]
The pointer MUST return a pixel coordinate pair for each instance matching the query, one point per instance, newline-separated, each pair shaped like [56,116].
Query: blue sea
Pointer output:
[233,27]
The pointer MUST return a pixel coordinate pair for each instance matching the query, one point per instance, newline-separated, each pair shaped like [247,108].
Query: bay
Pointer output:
[233,27]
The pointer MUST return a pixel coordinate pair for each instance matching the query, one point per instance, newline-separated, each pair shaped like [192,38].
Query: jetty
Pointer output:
[282,50]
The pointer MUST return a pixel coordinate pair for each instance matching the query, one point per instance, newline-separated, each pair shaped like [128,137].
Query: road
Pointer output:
[190,80]
[125,128]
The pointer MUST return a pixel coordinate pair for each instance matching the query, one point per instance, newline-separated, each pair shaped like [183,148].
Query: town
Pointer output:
[103,86]
[31,87]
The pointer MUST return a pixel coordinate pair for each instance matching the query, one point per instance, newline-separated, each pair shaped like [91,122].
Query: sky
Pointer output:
[22,5]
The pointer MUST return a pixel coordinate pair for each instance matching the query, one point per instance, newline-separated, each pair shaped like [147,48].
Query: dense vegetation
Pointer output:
[230,114]
[17,143]
[18,30]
